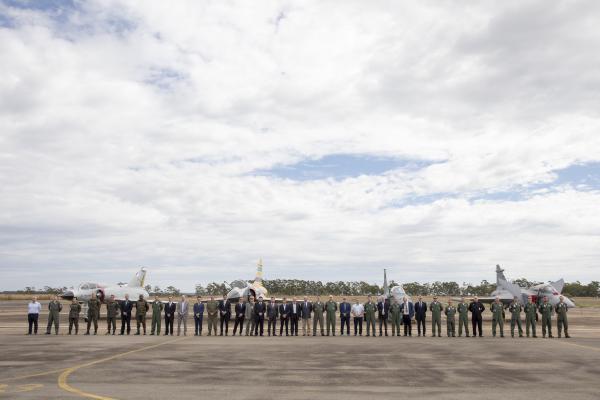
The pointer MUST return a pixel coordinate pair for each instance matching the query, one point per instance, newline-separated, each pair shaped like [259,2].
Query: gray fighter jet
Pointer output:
[506,291]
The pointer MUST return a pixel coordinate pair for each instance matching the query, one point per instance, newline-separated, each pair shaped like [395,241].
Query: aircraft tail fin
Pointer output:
[386,288]
[259,272]
[558,285]
[503,283]
[138,279]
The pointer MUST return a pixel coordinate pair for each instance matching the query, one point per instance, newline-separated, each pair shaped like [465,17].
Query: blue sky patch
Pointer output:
[341,166]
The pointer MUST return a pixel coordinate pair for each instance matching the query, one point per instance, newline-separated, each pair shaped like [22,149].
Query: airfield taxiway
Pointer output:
[189,367]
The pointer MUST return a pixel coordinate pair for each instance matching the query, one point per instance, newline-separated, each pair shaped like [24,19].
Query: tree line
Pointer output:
[299,287]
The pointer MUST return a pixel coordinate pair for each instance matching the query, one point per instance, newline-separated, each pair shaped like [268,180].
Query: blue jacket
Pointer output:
[345,309]
[411,309]
[199,309]
[420,311]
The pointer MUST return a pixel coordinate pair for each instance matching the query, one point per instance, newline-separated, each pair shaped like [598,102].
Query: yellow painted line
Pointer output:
[62,379]
[33,375]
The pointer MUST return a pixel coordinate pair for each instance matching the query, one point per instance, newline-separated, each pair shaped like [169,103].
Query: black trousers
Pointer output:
[32,319]
[125,321]
[383,322]
[239,321]
[421,324]
[358,324]
[224,320]
[260,324]
[345,321]
[198,325]
[284,321]
[477,323]
[272,326]
[169,325]
[294,323]
[407,325]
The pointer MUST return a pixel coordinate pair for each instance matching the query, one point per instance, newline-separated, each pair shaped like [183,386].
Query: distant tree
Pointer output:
[200,290]
[148,289]
[172,290]
[157,290]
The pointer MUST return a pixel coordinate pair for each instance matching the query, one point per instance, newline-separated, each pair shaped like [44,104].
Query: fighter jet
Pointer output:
[242,290]
[396,292]
[84,291]
[506,291]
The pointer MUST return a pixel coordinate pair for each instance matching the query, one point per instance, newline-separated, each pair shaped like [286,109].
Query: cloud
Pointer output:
[139,134]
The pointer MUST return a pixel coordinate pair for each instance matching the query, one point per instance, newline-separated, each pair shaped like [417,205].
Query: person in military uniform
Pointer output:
[141,308]
[112,310]
[436,309]
[515,309]
[318,309]
[450,312]
[54,309]
[546,311]
[561,317]
[212,311]
[249,317]
[497,310]
[157,308]
[396,317]
[330,309]
[74,310]
[93,314]
[463,316]
[370,309]
[530,316]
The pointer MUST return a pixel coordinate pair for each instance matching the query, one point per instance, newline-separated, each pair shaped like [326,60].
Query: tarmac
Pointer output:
[189,367]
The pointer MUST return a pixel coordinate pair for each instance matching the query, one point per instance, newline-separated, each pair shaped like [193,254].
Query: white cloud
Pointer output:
[129,134]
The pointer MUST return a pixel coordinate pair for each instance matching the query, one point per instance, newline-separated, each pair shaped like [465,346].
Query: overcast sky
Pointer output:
[330,138]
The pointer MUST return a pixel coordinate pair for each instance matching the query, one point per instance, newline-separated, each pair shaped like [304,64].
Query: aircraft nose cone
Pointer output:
[569,302]
[67,295]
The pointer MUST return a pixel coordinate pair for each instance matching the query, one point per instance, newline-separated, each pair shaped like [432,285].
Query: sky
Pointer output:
[331,139]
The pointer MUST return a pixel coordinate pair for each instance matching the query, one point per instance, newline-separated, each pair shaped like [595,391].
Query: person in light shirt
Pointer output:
[33,313]
[357,311]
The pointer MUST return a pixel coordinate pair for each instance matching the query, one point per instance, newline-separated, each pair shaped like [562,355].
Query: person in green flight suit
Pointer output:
[157,308]
[54,309]
[112,310]
[530,316]
[463,316]
[396,316]
[436,309]
[75,309]
[450,312]
[561,317]
[212,310]
[141,309]
[497,310]
[330,309]
[546,311]
[318,309]
[370,309]
[93,314]
[515,309]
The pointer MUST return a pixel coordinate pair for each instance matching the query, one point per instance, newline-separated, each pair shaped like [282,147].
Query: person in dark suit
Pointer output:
[259,311]
[272,313]
[477,308]
[126,306]
[224,314]
[306,311]
[345,309]
[198,316]
[170,309]
[284,317]
[407,310]
[420,313]
[240,312]
[383,311]
[295,313]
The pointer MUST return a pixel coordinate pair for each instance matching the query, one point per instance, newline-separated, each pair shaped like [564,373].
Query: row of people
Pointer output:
[250,316]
